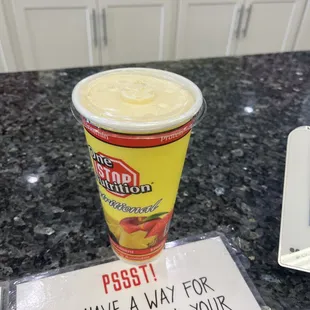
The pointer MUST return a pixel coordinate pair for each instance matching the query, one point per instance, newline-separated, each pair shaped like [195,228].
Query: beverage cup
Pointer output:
[137,123]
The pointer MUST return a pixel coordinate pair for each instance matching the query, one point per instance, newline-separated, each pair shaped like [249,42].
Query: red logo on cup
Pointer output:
[116,176]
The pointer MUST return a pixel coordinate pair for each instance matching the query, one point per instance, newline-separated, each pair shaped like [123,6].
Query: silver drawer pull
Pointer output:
[95,35]
[238,21]
[105,32]
[248,12]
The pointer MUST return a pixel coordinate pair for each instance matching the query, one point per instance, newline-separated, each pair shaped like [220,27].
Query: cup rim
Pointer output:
[143,127]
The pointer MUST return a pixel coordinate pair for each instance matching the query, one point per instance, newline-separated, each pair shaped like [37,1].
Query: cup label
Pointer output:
[138,178]
[138,141]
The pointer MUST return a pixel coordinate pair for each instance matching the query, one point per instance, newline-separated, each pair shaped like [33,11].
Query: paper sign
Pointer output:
[199,275]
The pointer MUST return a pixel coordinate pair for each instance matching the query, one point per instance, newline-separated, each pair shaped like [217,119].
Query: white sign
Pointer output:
[199,275]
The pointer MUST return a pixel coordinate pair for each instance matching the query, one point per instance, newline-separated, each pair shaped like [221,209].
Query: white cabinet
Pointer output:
[137,30]
[7,61]
[207,28]
[56,34]
[269,26]
[227,27]
[303,37]
[75,33]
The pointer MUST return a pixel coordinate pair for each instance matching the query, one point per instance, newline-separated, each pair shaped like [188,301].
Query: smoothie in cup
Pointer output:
[137,124]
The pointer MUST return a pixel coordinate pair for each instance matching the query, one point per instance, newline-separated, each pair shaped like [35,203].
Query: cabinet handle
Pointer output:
[94,28]
[105,33]
[248,12]
[238,20]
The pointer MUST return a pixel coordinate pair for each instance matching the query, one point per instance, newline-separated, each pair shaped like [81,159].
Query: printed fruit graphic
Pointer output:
[143,232]
[136,240]
[147,226]
[131,224]
[160,228]
[114,227]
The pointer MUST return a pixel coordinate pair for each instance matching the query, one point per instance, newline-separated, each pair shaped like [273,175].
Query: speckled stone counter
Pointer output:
[50,214]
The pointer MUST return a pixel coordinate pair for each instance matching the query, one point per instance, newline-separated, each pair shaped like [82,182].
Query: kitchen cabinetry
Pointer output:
[56,34]
[137,30]
[49,34]
[75,33]
[216,28]
[303,37]
[7,61]
[206,28]
[269,26]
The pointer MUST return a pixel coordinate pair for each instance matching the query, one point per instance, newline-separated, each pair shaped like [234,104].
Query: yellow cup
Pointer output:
[138,168]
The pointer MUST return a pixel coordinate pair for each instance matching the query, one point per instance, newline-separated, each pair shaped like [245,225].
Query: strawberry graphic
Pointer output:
[131,224]
[154,225]
[147,226]
[159,229]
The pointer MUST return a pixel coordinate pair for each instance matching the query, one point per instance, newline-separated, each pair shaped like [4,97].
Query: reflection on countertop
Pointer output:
[50,214]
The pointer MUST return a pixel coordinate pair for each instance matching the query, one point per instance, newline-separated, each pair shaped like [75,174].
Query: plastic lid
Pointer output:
[137,100]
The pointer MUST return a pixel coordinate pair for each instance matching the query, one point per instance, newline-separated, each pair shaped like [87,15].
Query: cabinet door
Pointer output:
[7,61]
[269,26]
[303,37]
[137,30]
[57,33]
[207,28]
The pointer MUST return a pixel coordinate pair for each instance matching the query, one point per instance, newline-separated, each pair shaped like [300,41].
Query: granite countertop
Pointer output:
[50,213]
